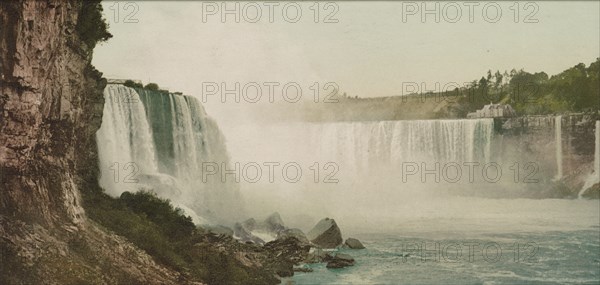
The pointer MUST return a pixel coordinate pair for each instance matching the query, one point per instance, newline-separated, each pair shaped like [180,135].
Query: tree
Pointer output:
[91,26]
[132,84]
[498,77]
[483,82]
[506,77]
[152,86]
[594,85]
[573,86]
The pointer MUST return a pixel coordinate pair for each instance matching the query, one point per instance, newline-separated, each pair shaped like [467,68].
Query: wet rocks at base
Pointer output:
[271,245]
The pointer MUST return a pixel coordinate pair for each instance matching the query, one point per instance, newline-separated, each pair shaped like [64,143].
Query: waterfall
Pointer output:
[594,177]
[364,148]
[367,161]
[558,139]
[125,145]
[391,142]
[159,142]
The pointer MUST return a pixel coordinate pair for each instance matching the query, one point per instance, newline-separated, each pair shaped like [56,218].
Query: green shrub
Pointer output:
[151,86]
[171,221]
[154,225]
[91,26]
[137,226]
[132,84]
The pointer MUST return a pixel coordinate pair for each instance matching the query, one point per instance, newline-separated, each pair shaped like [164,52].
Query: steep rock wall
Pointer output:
[534,138]
[50,109]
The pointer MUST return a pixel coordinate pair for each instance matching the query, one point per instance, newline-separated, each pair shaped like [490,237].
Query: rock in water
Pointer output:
[318,256]
[354,243]
[326,234]
[282,255]
[341,260]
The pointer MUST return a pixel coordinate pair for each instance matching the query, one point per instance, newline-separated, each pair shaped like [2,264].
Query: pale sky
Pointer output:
[370,52]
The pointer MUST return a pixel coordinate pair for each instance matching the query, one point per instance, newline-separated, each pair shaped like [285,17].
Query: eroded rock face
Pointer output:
[244,235]
[268,230]
[297,233]
[326,234]
[274,223]
[33,254]
[283,254]
[592,192]
[50,108]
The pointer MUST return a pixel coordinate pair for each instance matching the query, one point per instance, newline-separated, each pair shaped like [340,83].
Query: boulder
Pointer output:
[284,254]
[326,234]
[291,248]
[297,233]
[249,224]
[274,223]
[318,256]
[340,260]
[353,243]
[245,236]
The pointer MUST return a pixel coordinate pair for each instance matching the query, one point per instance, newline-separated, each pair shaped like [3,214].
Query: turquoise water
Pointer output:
[484,241]
[540,258]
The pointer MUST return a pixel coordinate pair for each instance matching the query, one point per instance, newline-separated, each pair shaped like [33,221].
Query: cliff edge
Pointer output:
[50,109]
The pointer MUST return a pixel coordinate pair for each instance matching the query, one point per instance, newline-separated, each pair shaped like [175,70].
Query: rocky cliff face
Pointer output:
[534,138]
[51,103]
[50,108]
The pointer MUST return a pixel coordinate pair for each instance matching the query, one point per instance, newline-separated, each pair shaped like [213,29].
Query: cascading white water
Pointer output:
[594,177]
[125,145]
[367,157]
[159,142]
[367,144]
[558,139]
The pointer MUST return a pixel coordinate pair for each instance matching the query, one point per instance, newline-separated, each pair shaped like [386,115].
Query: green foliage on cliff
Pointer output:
[91,26]
[147,226]
[170,237]
[171,221]
[576,89]
[132,84]
[151,86]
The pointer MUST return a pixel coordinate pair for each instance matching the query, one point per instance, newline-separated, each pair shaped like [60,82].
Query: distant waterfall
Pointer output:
[350,165]
[159,141]
[594,177]
[360,148]
[366,143]
[559,155]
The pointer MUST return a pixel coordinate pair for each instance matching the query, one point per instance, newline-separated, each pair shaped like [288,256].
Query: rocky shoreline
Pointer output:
[284,250]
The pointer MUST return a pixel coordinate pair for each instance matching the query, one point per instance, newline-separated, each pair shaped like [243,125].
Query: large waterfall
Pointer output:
[390,142]
[362,146]
[348,165]
[159,142]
